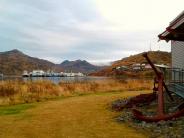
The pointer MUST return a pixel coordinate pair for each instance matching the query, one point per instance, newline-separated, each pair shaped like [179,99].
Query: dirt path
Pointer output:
[76,117]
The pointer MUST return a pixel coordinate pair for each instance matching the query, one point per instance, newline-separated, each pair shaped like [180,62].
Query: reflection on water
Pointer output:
[56,79]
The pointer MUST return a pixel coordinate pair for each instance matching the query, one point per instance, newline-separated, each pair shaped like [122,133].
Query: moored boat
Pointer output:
[25,73]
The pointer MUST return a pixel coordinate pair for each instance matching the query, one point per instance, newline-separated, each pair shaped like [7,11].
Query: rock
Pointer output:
[166,129]
[121,119]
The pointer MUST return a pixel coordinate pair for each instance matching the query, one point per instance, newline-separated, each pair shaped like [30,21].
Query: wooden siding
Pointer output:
[177,50]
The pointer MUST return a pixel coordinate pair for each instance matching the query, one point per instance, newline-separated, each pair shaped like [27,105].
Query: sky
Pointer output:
[99,31]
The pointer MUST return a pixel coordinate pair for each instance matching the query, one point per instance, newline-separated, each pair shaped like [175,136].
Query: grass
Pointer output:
[16,92]
[15,109]
[75,117]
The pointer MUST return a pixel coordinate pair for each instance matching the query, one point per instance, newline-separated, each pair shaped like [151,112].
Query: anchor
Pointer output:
[161,114]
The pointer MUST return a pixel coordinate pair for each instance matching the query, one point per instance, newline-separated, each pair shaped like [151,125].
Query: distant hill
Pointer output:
[79,66]
[157,57]
[14,62]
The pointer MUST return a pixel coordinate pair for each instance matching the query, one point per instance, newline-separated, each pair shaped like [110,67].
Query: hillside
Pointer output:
[157,57]
[79,66]
[14,62]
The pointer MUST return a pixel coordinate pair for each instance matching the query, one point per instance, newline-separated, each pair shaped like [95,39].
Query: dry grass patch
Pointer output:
[13,92]
[75,117]
[106,86]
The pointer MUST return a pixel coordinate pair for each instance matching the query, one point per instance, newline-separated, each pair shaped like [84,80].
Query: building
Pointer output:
[122,68]
[147,66]
[138,66]
[175,33]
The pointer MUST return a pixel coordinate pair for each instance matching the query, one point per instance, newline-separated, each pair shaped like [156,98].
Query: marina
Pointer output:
[41,73]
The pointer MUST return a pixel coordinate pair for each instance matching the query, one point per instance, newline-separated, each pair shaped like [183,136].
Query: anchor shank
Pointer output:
[160,96]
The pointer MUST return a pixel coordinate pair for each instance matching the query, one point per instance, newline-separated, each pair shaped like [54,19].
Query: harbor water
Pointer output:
[55,80]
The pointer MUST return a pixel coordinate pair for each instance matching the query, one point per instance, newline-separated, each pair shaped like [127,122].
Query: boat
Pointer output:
[25,73]
[37,73]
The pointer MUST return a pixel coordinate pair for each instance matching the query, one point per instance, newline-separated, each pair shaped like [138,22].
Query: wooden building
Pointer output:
[175,33]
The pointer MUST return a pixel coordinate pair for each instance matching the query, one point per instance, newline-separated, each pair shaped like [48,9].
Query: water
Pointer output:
[56,80]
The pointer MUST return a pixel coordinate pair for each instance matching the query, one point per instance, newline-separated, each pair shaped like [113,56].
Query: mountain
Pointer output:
[79,66]
[157,57]
[14,62]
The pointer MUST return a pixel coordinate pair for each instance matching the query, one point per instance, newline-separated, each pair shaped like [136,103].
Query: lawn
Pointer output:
[86,116]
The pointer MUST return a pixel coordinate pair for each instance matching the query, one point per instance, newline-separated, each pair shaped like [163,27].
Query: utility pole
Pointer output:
[150,46]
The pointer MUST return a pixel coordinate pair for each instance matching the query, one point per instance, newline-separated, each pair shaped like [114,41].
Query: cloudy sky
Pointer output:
[95,30]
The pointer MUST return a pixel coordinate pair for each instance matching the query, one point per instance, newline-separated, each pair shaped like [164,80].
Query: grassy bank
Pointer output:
[13,92]
[86,116]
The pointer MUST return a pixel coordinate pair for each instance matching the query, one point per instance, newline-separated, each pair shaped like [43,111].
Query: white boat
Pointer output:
[79,74]
[49,73]
[37,73]
[25,73]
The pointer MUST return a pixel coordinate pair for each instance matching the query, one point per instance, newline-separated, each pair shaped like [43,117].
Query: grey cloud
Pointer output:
[66,29]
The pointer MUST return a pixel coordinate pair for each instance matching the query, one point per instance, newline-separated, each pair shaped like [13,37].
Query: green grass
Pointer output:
[15,109]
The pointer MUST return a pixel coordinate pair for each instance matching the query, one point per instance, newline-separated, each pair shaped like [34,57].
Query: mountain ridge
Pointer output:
[14,62]
[79,66]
